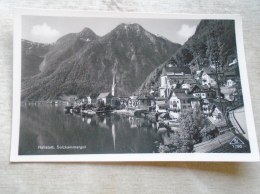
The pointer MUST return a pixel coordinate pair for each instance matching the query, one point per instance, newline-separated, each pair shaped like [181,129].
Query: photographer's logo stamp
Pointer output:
[236,143]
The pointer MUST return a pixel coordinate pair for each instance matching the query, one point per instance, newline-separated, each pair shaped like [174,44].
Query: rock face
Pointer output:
[84,63]
[213,38]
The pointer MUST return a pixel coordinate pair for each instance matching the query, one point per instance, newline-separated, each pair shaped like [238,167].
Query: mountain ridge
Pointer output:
[83,63]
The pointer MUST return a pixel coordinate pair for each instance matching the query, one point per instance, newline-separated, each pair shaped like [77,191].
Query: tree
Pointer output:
[191,122]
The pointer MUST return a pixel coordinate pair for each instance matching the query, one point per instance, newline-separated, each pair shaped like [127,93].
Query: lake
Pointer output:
[45,129]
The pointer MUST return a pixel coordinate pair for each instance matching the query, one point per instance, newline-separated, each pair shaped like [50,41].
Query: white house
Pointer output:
[180,101]
[133,102]
[88,100]
[208,77]
[165,86]
[160,105]
[104,97]
[230,83]
[186,86]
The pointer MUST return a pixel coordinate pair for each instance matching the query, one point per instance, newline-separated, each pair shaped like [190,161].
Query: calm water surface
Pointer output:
[46,129]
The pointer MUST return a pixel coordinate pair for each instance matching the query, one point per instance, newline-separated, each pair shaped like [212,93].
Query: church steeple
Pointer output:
[113,91]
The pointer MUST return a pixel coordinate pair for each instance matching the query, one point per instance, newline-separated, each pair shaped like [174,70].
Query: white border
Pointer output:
[228,157]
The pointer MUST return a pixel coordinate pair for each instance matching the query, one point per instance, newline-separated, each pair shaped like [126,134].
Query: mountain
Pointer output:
[32,56]
[199,50]
[84,63]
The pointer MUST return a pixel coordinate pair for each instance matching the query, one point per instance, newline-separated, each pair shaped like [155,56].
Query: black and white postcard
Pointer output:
[105,86]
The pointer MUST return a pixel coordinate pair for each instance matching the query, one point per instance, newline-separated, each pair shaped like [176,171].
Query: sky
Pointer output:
[47,29]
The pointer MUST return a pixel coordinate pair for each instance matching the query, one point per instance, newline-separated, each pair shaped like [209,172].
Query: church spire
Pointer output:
[113,92]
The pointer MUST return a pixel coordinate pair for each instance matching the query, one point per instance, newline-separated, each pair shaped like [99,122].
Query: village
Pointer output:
[212,90]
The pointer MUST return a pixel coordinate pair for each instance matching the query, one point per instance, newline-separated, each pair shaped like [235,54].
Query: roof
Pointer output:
[163,106]
[103,95]
[160,99]
[232,73]
[209,70]
[216,103]
[133,97]
[201,88]
[160,103]
[218,123]
[183,95]
[174,69]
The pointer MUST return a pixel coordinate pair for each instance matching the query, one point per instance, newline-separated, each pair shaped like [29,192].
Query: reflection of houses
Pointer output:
[133,102]
[135,122]
[104,98]
[202,92]
[208,76]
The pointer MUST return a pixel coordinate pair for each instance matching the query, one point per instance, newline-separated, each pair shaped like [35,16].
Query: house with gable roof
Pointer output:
[180,100]
[208,76]
[202,92]
[104,98]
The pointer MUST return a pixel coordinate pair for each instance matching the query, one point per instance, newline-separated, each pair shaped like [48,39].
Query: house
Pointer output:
[230,83]
[160,105]
[133,102]
[145,102]
[216,112]
[205,107]
[180,100]
[175,77]
[232,74]
[208,77]
[211,108]
[202,92]
[123,100]
[88,100]
[104,98]
[214,108]
[72,99]
[229,92]
[164,89]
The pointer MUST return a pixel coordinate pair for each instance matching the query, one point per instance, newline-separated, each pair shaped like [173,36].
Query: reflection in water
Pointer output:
[114,136]
[47,125]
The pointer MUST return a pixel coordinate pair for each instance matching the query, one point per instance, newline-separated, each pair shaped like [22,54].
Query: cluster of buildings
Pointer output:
[179,89]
